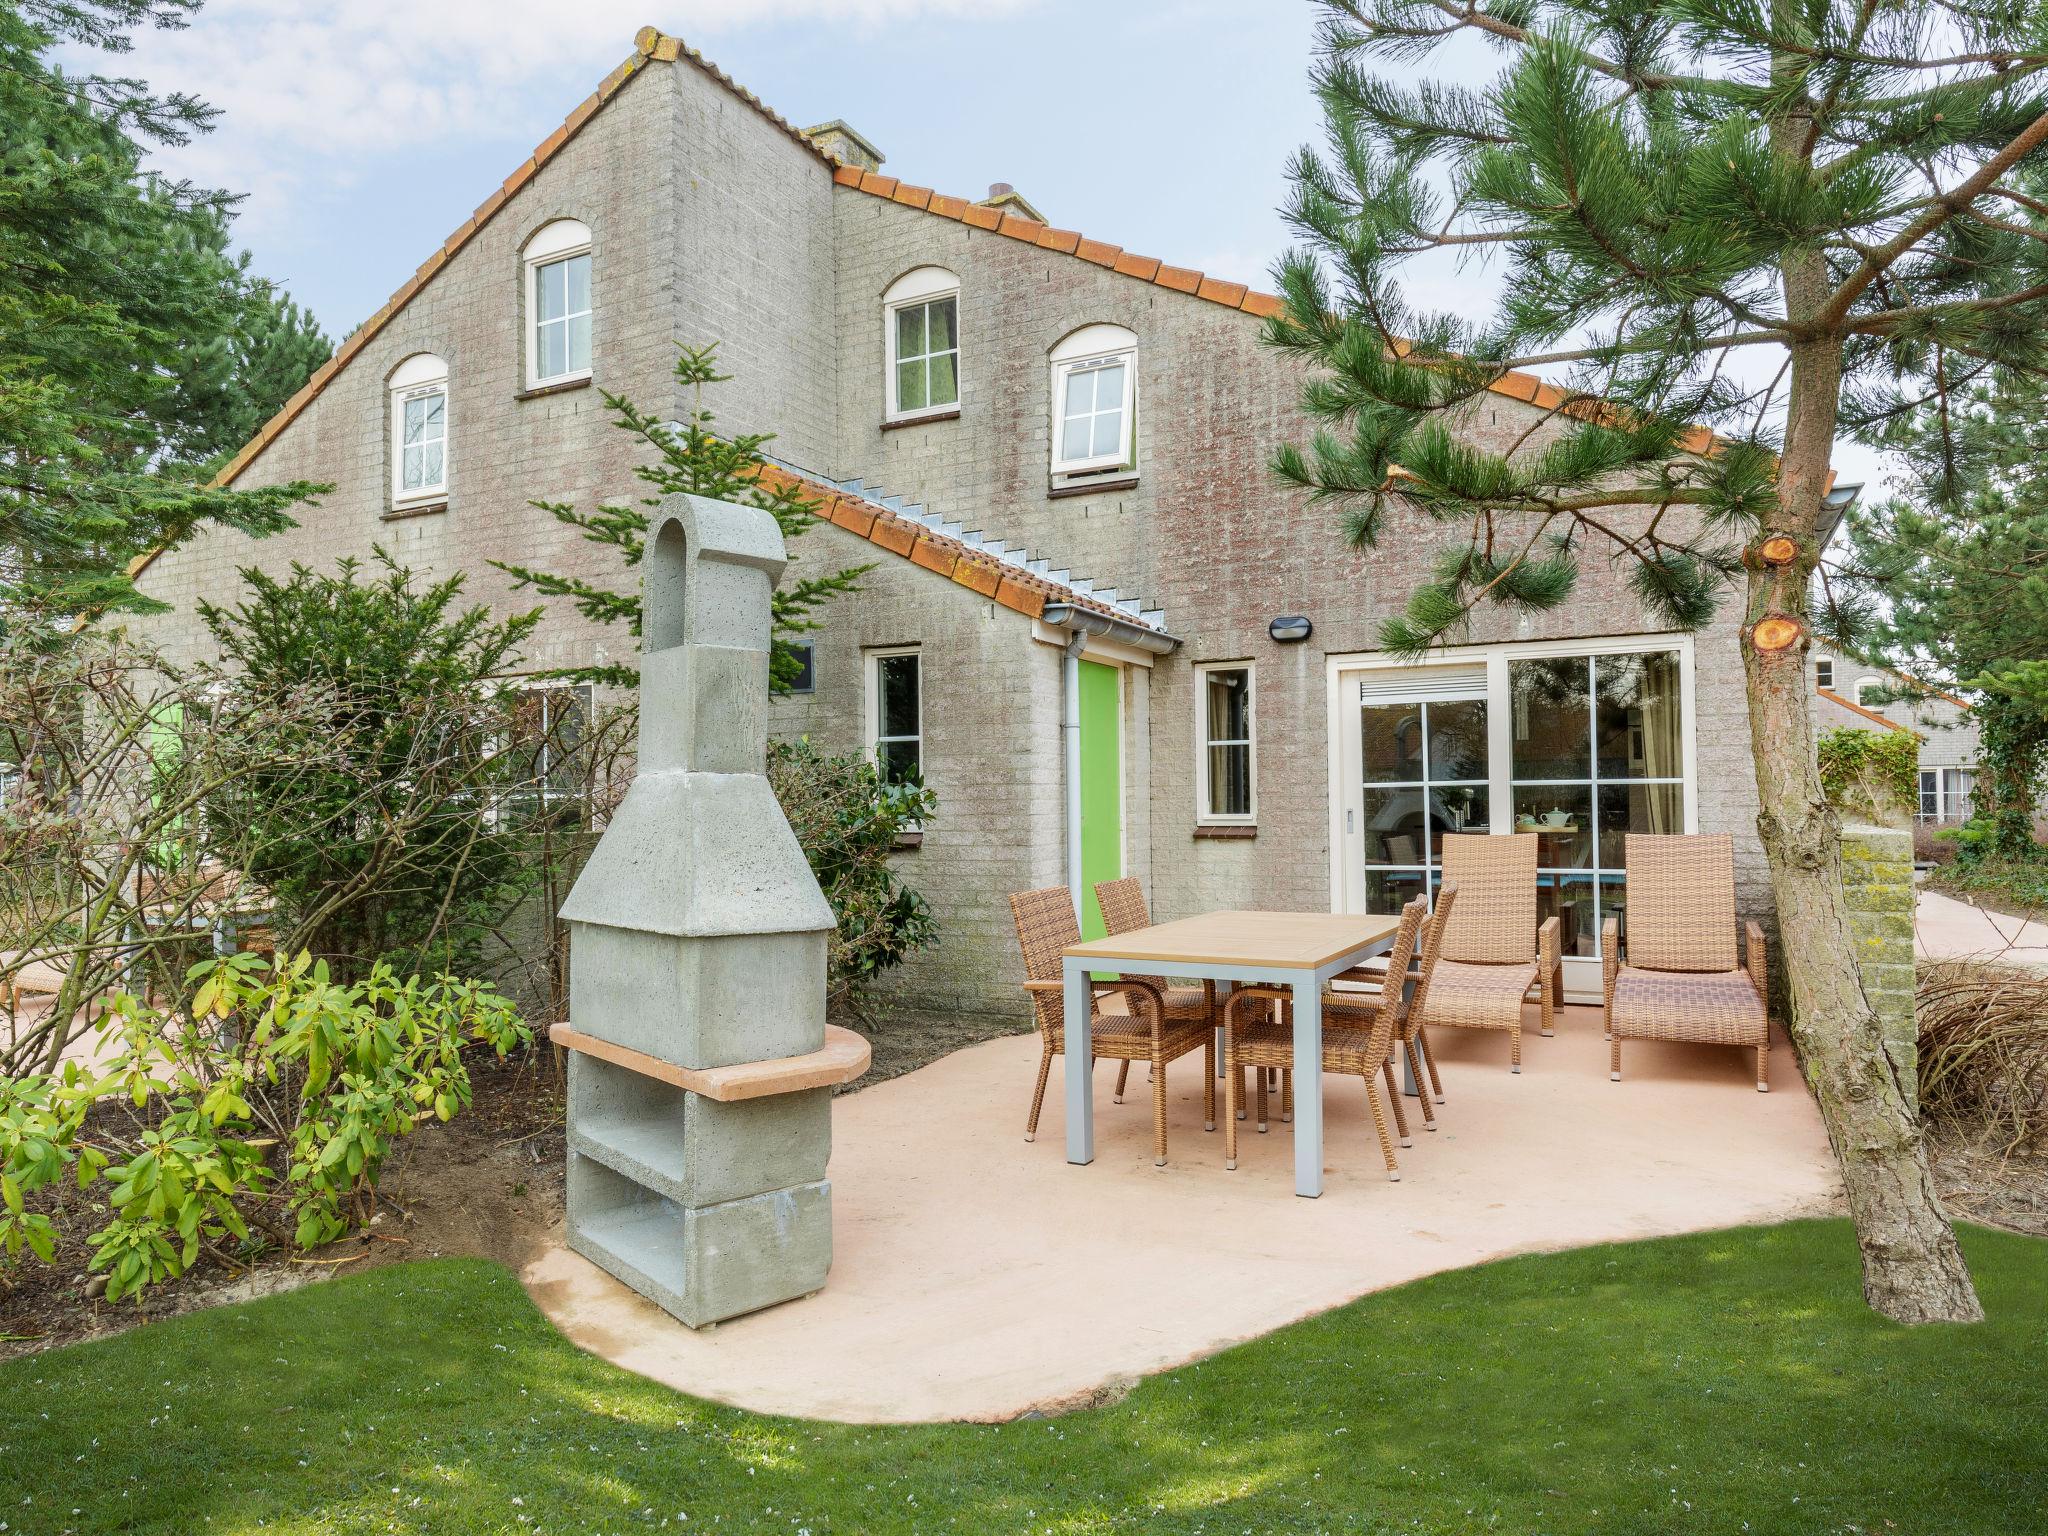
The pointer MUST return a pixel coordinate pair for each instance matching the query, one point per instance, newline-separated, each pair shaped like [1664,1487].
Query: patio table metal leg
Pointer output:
[1080,1047]
[1308,1087]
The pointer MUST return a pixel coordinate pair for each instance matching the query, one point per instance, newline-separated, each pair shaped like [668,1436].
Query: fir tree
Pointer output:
[1957,574]
[1768,218]
[689,457]
[120,313]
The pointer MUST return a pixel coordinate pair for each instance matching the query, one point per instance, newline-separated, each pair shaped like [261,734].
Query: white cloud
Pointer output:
[312,90]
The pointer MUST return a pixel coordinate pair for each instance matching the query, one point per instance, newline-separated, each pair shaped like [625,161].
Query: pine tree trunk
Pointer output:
[1913,1270]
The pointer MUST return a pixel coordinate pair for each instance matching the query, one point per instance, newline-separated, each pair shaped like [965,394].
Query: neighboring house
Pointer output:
[1849,691]
[1107,637]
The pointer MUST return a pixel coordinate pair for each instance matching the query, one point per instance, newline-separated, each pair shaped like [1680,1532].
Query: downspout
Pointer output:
[1070,729]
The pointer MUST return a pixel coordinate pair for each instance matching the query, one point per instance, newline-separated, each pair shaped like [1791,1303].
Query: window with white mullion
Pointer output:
[926,334]
[1597,753]
[1424,774]
[561,307]
[1226,792]
[423,442]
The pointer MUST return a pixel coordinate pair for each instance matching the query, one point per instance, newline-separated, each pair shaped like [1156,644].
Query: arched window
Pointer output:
[419,430]
[1867,686]
[921,326]
[558,296]
[1094,400]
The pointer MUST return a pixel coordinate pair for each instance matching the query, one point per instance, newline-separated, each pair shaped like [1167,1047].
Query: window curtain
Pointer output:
[1663,757]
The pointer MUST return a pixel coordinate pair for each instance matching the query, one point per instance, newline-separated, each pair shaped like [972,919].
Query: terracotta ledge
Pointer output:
[424,509]
[541,391]
[895,423]
[1091,488]
[843,1057]
[1234,832]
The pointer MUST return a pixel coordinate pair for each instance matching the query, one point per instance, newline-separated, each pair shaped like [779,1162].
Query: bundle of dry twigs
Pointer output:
[1984,1051]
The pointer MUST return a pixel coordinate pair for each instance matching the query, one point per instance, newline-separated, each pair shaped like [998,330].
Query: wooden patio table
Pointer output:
[1298,949]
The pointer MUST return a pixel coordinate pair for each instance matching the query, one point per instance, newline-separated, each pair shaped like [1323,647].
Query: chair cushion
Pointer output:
[1466,996]
[1710,1007]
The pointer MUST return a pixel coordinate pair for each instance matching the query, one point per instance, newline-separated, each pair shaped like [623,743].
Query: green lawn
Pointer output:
[1709,1384]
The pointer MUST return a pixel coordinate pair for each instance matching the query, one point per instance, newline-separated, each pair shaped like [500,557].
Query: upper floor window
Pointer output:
[1824,672]
[1094,400]
[558,293]
[1868,688]
[419,430]
[922,318]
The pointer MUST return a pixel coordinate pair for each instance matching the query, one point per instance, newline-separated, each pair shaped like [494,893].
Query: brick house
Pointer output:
[1109,639]
[1849,691]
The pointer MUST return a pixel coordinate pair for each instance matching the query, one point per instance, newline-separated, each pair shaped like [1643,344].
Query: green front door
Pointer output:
[1102,788]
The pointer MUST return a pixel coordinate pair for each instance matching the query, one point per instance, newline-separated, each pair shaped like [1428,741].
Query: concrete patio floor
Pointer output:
[977,1276]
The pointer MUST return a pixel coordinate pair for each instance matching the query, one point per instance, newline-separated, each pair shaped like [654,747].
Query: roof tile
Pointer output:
[1012,593]
[877,183]
[1100,252]
[935,555]
[916,197]
[1017,227]
[981,217]
[1143,268]
[846,175]
[947,207]
[1061,240]
[1264,305]
[1180,279]
[893,535]
[1217,291]
[982,576]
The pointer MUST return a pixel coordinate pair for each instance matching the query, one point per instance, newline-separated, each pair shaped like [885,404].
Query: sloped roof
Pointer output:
[1869,714]
[1006,575]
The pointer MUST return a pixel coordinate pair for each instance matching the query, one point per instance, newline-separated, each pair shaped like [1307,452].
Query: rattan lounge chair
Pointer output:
[1124,911]
[1493,953]
[1356,1041]
[1046,926]
[1681,980]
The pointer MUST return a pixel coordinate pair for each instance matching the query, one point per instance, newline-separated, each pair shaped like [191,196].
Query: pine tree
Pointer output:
[121,311]
[689,457]
[1763,217]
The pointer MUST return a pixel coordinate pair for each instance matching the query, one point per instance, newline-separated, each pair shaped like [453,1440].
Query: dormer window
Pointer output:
[419,430]
[558,296]
[921,324]
[1094,401]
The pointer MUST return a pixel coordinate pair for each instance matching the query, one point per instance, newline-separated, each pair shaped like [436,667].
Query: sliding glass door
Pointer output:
[1578,744]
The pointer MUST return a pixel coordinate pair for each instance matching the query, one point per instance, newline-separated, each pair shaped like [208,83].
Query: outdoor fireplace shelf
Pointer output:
[843,1057]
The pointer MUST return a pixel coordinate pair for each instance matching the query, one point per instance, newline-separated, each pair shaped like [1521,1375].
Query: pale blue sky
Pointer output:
[363,131]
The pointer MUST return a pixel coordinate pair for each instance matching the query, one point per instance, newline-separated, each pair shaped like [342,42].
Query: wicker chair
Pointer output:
[1358,1007]
[1124,911]
[1681,980]
[1355,1042]
[1046,926]
[1492,950]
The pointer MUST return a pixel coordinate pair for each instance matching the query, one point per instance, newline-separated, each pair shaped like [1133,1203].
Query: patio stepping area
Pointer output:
[979,1277]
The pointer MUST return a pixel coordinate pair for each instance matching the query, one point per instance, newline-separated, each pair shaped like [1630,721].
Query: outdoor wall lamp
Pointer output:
[1290,628]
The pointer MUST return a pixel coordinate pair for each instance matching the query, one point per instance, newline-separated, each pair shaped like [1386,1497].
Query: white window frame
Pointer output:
[1948,791]
[559,241]
[1347,875]
[1824,672]
[1204,815]
[1091,348]
[417,378]
[1866,682]
[921,285]
[873,704]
